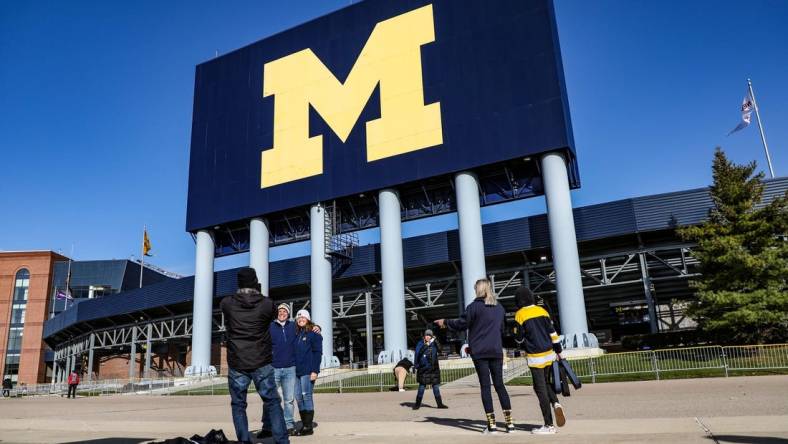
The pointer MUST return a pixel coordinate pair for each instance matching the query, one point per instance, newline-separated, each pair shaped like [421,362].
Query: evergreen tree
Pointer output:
[742,295]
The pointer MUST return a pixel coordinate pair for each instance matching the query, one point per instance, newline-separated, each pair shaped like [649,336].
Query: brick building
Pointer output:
[25,286]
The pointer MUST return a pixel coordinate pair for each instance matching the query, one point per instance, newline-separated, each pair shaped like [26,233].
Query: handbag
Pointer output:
[555,377]
[570,374]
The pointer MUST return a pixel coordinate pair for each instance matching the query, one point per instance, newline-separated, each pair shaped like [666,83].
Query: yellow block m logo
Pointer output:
[391,57]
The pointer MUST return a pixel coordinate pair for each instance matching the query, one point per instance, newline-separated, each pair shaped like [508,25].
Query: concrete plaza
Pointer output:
[718,410]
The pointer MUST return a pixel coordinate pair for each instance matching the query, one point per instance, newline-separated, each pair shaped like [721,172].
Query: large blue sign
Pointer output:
[378,94]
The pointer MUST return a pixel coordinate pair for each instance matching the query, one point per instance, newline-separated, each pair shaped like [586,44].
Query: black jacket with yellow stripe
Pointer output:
[536,334]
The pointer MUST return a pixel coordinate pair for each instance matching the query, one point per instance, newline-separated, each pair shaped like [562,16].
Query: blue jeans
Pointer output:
[303,393]
[285,379]
[263,378]
[436,391]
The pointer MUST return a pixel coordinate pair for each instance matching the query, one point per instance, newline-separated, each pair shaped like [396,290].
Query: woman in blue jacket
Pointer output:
[308,353]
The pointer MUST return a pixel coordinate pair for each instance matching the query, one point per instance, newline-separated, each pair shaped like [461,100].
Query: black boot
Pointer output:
[441,405]
[417,405]
[306,419]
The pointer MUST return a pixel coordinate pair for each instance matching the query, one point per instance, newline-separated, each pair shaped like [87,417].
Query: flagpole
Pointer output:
[68,276]
[142,255]
[760,127]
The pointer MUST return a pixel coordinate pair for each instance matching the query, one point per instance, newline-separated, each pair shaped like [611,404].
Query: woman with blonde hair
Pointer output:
[484,319]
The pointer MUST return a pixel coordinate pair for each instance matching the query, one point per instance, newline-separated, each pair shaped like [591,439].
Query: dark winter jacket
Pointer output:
[283,338]
[308,352]
[537,336]
[428,371]
[247,316]
[485,324]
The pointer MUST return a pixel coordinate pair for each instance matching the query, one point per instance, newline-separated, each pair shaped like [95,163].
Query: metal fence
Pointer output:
[659,364]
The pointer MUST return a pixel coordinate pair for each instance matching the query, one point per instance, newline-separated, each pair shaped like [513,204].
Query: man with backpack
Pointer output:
[538,337]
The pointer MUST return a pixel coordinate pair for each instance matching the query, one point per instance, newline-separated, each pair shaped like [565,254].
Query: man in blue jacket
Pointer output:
[283,337]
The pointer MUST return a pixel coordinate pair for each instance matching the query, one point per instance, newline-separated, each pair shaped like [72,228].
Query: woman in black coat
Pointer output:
[428,371]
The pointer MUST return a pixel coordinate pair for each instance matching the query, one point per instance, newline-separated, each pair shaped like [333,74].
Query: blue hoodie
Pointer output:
[283,340]
[308,353]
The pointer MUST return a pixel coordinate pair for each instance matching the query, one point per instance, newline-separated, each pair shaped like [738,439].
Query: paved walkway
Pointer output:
[720,410]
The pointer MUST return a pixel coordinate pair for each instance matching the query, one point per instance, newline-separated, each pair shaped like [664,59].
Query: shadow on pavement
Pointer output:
[111,441]
[473,425]
[411,404]
[748,439]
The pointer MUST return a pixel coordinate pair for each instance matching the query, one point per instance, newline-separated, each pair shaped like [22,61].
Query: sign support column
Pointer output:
[203,307]
[259,239]
[321,297]
[470,227]
[563,242]
[394,324]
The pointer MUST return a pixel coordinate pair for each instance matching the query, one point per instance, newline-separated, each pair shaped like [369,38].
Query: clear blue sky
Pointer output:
[96,101]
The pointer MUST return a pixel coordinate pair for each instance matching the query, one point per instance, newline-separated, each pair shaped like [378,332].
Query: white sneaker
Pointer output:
[544,430]
[402,390]
[560,418]
[489,431]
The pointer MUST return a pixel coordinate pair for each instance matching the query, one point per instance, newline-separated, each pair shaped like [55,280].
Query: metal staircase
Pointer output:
[339,247]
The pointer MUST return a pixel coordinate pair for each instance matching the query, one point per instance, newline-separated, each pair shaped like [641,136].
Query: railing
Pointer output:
[656,364]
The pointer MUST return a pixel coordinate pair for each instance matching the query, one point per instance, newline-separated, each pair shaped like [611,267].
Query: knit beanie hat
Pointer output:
[285,307]
[247,278]
[523,297]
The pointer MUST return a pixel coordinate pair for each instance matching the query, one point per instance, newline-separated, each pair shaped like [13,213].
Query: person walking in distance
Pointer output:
[73,383]
[247,317]
[484,319]
[537,336]
[428,371]
[308,354]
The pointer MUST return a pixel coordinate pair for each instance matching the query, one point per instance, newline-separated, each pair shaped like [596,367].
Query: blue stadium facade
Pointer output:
[635,270]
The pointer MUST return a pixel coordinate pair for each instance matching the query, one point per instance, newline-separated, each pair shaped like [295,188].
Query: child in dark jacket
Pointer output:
[538,337]
[308,354]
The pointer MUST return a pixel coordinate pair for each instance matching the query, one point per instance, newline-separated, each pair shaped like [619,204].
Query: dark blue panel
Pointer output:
[495,68]
[507,236]
[604,220]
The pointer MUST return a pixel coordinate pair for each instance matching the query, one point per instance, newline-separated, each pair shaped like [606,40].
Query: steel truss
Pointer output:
[643,266]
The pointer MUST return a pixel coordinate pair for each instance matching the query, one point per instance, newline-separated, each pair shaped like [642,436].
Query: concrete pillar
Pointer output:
[563,242]
[148,351]
[133,354]
[203,306]
[259,239]
[394,325]
[321,301]
[90,356]
[55,371]
[470,227]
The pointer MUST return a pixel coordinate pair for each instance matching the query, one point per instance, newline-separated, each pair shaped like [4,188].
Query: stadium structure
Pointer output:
[379,113]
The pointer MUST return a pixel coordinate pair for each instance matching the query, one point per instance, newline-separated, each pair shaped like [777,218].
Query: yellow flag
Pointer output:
[146,243]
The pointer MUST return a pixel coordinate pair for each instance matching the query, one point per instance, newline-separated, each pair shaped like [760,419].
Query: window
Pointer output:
[16,329]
